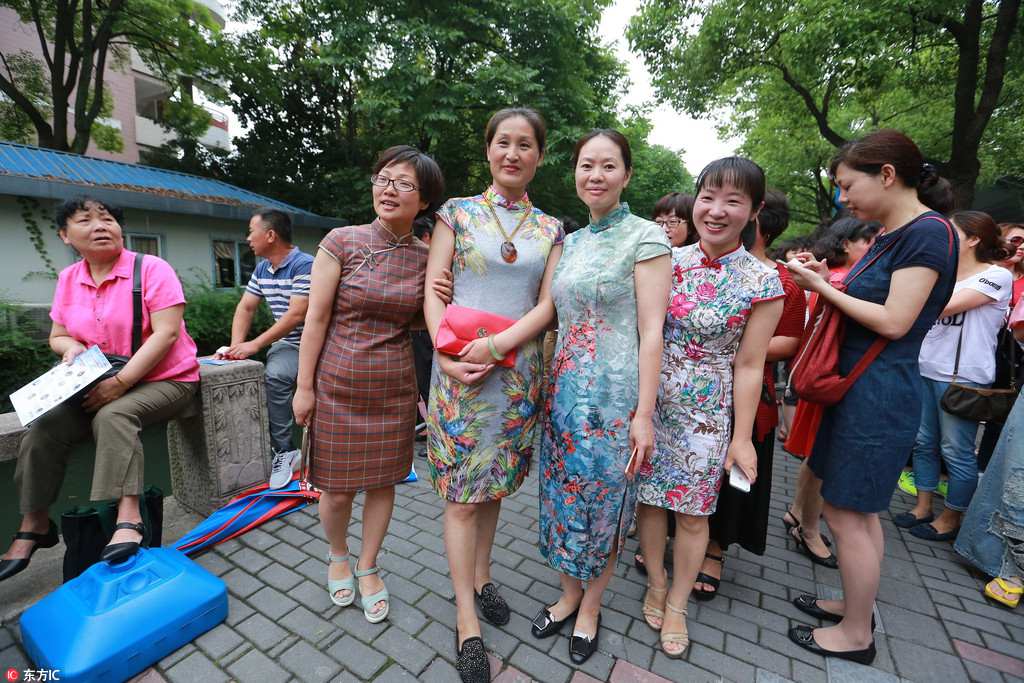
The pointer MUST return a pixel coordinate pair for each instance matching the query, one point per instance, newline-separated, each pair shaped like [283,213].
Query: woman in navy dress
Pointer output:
[864,439]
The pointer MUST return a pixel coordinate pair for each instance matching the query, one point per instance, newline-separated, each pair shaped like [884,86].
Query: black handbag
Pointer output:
[117,363]
[86,530]
[977,403]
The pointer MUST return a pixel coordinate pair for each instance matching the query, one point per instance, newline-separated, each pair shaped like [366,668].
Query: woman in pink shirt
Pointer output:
[93,306]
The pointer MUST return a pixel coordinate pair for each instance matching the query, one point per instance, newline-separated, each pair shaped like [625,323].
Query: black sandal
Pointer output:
[9,568]
[119,552]
[471,660]
[704,595]
[794,524]
[829,561]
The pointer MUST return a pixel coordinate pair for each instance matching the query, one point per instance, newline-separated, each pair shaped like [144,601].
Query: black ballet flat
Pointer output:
[808,604]
[9,568]
[581,648]
[492,606]
[471,660]
[545,625]
[804,637]
[119,552]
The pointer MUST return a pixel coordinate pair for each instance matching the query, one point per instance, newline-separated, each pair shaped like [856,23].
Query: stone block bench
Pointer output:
[218,446]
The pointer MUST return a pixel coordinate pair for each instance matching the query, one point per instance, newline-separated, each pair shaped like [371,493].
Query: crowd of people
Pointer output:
[654,408]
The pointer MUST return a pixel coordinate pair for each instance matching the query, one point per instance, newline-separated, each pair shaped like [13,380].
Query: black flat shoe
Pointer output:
[9,568]
[119,552]
[829,560]
[471,660]
[804,637]
[581,647]
[704,595]
[808,604]
[545,624]
[492,606]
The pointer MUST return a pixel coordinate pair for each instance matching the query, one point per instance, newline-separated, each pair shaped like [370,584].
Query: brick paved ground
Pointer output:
[933,623]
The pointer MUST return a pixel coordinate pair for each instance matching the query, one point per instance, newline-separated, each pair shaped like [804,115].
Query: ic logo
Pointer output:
[12,675]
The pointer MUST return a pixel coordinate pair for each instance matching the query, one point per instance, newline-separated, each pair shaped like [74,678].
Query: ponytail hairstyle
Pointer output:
[888,146]
[991,246]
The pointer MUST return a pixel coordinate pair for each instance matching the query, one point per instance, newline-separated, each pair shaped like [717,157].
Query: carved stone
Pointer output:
[223,447]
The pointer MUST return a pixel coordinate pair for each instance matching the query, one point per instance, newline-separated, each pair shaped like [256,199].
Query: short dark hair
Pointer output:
[847,229]
[888,146]
[428,174]
[532,116]
[69,207]
[991,247]
[276,220]
[774,217]
[740,172]
[613,135]
[680,205]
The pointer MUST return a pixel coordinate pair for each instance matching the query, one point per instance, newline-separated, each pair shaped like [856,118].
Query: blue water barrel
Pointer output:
[114,621]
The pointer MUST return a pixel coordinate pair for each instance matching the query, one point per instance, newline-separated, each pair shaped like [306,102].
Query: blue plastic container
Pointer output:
[113,621]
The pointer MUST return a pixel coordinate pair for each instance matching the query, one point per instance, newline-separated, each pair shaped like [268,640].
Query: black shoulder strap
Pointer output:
[137,304]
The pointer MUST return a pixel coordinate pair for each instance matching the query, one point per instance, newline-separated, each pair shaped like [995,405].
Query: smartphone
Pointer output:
[738,480]
[631,462]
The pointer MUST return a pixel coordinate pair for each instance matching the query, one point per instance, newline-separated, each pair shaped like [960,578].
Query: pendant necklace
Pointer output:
[508,249]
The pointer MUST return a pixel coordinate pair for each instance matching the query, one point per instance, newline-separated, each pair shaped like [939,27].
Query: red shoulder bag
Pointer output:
[815,370]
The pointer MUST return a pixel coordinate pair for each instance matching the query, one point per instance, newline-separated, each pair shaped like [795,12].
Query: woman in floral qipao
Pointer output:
[724,307]
[610,290]
[482,418]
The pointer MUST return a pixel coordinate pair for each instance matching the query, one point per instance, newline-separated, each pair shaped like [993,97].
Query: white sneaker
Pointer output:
[281,468]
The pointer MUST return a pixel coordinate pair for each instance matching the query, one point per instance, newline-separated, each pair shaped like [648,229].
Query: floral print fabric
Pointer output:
[480,438]
[585,501]
[708,310]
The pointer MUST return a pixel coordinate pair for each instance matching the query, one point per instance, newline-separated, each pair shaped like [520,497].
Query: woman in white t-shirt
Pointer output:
[971,319]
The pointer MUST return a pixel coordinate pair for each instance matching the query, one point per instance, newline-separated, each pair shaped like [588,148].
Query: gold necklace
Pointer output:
[508,249]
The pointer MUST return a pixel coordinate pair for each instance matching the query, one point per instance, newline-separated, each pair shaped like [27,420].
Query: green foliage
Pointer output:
[657,170]
[80,41]
[209,312]
[323,90]
[803,76]
[23,356]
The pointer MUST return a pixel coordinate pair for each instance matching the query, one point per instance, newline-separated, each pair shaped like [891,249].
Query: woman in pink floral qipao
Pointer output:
[723,309]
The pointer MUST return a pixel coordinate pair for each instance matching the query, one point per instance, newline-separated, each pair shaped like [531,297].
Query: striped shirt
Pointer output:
[279,285]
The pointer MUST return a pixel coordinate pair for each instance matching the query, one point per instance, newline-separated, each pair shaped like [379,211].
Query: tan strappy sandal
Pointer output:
[681,638]
[650,611]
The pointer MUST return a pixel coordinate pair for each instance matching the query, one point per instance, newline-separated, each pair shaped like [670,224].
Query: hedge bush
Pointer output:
[23,356]
[209,312]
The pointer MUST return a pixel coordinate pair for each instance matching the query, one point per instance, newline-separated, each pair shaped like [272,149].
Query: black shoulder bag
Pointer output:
[977,403]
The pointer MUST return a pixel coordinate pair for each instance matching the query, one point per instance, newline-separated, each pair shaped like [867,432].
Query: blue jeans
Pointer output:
[951,436]
[992,533]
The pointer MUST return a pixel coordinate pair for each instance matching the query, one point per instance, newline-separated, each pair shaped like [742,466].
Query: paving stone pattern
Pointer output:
[933,623]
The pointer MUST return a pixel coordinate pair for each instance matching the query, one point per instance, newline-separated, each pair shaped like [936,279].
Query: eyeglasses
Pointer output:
[670,222]
[400,185]
[1016,240]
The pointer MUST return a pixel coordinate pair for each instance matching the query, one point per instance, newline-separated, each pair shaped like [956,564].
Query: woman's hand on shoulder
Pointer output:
[462,371]
[302,406]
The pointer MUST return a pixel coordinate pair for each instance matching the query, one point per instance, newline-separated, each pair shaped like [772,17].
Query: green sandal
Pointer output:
[370,600]
[335,585]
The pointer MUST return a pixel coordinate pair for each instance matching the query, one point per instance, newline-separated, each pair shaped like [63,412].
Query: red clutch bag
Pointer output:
[461,325]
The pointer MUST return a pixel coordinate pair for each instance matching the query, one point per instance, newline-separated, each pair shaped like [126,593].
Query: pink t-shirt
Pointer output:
[103,315]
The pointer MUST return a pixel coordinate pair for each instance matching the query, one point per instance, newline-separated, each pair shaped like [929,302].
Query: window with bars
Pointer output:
[144,244]
[233,263]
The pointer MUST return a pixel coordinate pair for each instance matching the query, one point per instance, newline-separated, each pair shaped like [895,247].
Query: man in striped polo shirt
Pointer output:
[282,278]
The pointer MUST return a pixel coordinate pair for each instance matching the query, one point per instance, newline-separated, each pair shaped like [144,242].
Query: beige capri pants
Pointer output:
[116,427]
